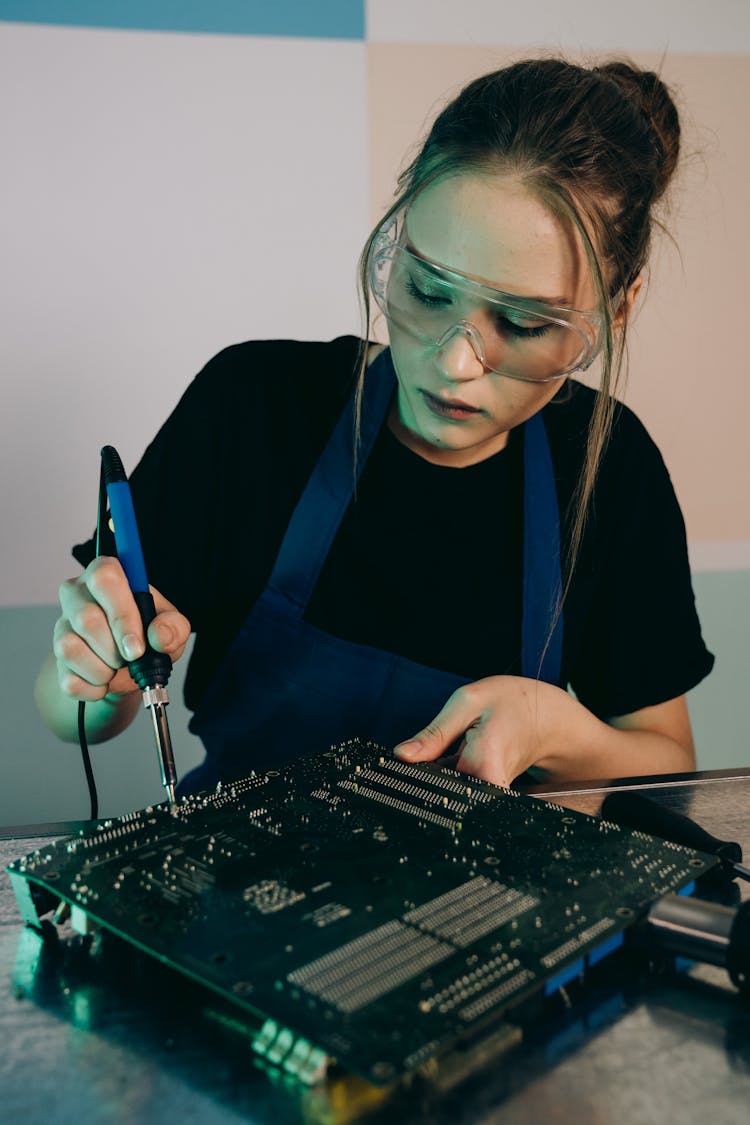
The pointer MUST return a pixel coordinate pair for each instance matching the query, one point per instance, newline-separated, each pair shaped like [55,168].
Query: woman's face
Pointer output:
[494,230]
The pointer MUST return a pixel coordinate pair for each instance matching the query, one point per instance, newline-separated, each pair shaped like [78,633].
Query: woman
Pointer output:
[511,534]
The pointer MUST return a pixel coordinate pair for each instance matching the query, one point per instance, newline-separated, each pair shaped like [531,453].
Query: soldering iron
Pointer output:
[151,671]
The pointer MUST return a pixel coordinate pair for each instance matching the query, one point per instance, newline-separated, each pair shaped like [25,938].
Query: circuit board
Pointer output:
[360,908]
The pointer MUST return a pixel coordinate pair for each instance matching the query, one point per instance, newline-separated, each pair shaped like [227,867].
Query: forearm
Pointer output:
[591,748]
[104,719]
[506,725]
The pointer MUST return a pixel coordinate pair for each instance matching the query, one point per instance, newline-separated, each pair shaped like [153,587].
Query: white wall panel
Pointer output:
[674,25]
[162,195]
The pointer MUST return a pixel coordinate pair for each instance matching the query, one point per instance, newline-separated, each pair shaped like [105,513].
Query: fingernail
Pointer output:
[132,646]
[406,749]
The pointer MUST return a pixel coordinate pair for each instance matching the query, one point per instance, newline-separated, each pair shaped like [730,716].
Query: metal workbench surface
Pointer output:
[120,1040]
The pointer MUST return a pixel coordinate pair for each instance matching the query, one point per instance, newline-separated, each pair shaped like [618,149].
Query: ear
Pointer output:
[626,306]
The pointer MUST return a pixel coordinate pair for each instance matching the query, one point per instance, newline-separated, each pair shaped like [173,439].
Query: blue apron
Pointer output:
[287,688]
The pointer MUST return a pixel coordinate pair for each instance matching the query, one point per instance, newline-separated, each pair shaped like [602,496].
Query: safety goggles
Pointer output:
[513,336]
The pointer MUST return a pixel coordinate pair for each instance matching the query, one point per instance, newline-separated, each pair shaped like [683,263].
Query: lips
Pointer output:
[451,403]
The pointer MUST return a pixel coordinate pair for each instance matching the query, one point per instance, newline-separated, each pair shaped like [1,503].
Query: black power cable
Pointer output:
[101,515]
[93,797]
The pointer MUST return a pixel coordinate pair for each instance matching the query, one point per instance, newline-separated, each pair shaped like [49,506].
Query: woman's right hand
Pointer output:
[100,631]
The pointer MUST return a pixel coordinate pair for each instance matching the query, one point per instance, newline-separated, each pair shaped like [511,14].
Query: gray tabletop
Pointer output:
[114,1039]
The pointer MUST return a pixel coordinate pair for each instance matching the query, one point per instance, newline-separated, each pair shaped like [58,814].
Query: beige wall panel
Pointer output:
[689,370]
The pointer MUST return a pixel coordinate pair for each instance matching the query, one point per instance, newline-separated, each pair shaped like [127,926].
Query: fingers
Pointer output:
[480,759]
[100,630]
[170,630]
[100,608]
[481,717]
[81,672]
[508,723]
[462,710]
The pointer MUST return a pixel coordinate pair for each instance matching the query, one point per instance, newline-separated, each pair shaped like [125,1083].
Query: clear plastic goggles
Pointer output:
[513,336]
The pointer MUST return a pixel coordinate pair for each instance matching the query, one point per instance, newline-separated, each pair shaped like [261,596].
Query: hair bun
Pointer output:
[646,89]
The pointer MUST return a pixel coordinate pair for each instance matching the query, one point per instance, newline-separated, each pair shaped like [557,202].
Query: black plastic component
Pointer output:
[112,466]
[738,955]
[691,927]
[153,667]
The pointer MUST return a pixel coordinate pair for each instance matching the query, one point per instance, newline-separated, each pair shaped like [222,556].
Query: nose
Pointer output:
[461,352]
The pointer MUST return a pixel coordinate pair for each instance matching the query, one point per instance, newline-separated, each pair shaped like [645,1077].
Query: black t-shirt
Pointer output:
[428,560]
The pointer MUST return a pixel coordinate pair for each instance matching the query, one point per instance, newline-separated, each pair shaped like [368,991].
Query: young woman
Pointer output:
[429,544]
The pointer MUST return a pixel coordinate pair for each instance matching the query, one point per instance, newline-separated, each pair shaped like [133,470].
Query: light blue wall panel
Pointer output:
[321,19]
[41,778]
[718,706]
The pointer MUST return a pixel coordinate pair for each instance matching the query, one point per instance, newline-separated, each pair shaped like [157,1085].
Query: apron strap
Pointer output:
[541,653]
[328,492]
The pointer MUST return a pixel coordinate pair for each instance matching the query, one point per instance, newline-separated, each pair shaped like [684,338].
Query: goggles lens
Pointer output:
[511,335]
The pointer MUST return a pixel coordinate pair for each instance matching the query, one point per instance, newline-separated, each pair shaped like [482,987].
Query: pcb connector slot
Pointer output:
[471,910]
[434,779]
[583,938]
[483,1003]
[367,968]
[419,792]
[401,806]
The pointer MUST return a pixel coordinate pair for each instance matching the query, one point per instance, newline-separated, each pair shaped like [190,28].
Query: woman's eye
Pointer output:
[432,299]
[523,331]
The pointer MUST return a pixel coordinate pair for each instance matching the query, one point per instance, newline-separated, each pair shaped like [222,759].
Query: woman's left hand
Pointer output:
[506,724]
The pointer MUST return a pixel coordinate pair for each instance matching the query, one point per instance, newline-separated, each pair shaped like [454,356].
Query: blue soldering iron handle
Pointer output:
[153,668]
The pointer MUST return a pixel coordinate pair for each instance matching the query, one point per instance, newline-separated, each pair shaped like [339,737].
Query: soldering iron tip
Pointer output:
[170,795]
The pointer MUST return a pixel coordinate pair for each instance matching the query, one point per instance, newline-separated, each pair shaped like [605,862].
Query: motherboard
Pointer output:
[360,909]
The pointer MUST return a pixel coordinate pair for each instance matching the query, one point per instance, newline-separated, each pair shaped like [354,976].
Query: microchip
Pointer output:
[271,895]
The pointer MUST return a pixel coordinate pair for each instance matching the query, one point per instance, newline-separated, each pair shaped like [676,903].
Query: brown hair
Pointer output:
[598,146]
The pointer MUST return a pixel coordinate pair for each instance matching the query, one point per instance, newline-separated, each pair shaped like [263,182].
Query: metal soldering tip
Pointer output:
[171,796]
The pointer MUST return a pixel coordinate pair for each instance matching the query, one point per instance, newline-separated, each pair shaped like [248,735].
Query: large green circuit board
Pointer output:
[360,908]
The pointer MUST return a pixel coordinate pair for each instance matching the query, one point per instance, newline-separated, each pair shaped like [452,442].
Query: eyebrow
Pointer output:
[438,271]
